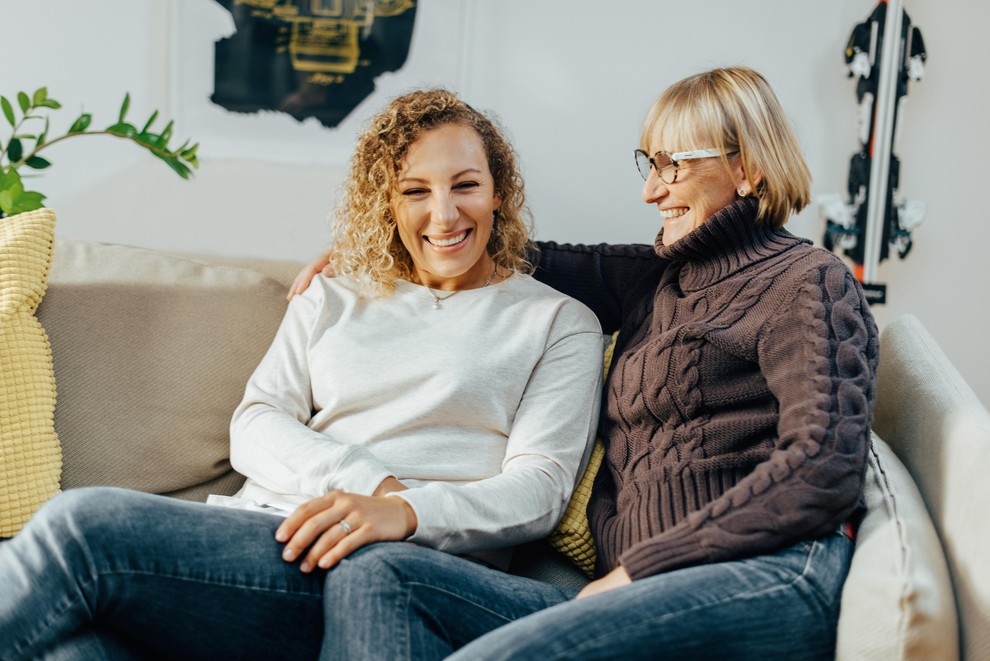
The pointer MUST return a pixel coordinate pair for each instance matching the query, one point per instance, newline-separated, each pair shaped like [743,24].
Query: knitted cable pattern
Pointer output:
[739,411]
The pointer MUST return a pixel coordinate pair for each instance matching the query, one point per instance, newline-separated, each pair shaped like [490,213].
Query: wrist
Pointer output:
[389,485]
[408,513]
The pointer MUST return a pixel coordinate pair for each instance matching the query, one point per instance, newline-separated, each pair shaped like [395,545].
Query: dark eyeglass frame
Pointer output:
[674,159]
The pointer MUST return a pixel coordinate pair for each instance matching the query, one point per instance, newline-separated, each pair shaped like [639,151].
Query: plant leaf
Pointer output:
[14,150]
[37,162]
[24,102]
[10,189]
[49,103]
[123,129]
[123,108]
[6,201]
[8,110]
[82,123]
[40,95]
[44,134]
[151,120]
[10,180]
[180,168]
[26,201]
[150,140]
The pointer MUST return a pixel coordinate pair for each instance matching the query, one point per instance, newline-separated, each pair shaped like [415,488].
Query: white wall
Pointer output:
[571,81]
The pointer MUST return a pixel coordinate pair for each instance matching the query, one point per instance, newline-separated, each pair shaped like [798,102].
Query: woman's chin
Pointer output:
[672,232]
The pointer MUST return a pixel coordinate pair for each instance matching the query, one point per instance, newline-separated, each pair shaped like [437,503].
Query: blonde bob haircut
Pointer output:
[366,243]
[735,111]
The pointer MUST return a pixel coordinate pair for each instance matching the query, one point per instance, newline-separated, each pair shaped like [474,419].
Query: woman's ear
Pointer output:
[746,185]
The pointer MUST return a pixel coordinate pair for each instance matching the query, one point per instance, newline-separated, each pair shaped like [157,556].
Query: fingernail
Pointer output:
[288,555]
[280,536]
[305,567]
[324,563]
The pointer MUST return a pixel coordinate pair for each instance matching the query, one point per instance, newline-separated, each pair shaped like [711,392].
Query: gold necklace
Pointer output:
[437,299]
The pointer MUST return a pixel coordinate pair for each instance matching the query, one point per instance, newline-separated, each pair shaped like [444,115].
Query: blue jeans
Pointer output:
[406,602]
[110,573]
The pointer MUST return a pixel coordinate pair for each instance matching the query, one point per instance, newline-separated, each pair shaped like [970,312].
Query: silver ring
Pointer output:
[345,526]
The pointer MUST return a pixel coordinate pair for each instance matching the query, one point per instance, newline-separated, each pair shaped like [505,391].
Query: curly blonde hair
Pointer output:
[366,243]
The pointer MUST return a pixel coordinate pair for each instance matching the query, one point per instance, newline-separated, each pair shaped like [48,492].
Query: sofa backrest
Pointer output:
[939,429]
[151,355]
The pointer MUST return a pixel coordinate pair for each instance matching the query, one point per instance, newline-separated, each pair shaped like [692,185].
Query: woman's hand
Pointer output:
[320,265]
[614,579]
[316,525]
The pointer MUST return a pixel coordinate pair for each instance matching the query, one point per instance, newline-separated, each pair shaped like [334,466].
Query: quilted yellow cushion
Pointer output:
[572,536]
[30,459]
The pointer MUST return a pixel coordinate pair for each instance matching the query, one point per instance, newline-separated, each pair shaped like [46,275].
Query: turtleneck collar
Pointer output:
[730,240]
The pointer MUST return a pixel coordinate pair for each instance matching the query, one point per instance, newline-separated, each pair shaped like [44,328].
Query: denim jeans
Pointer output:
[110,573]
[405,602]
[115,574]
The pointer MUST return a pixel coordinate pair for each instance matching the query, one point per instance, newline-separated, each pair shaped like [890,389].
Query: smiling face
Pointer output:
[703,187]
[444,206]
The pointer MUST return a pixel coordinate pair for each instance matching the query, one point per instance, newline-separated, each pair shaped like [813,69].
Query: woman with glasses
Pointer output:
[736,423]
[434,393]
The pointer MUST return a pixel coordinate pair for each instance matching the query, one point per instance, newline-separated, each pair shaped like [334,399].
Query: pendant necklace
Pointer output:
[437,299]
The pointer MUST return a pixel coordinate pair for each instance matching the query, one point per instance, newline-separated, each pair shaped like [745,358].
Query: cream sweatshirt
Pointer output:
[486,407]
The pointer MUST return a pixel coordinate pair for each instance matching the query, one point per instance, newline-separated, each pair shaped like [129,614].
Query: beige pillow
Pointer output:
[897,602]
[152,353]
[30,460]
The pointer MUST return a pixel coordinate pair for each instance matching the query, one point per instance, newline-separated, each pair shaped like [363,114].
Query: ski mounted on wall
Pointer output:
[874,218]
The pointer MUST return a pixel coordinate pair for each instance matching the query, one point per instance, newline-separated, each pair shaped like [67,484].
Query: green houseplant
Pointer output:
[29,137]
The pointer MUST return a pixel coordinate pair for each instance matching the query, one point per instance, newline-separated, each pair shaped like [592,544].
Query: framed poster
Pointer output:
[295,80]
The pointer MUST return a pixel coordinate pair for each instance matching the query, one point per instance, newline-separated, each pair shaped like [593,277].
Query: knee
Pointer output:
[383,567]
[77,512]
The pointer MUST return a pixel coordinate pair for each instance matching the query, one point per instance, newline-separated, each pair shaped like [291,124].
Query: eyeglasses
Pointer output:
[666,163]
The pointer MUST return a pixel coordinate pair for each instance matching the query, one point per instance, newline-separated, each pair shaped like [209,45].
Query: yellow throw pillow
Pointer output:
[572,536]
[30,458]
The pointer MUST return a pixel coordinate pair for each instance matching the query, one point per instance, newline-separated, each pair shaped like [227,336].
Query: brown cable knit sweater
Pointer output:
[738,408]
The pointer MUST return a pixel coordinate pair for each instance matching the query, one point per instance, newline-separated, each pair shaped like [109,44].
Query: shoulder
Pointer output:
[821,272]
[817,285]
[568,313]
[325,298]
[323,289]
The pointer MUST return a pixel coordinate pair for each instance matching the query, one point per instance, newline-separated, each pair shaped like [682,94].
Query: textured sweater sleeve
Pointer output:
[818,355]
[270,441]
[549,441]
[598,276]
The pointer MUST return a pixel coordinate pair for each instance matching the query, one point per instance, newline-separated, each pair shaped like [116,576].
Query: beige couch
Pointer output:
[152,351]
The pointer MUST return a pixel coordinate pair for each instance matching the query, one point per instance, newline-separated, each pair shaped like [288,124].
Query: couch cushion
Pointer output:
[897,602]
[940,430]
[29,453]
[152,353]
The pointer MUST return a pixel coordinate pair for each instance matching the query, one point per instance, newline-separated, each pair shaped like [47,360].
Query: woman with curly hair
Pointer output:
[403,400]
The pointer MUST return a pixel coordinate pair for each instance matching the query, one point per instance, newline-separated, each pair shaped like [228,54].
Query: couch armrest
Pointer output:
[940,430]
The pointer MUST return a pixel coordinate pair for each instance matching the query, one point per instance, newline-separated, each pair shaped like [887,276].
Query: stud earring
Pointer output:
[743,192]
